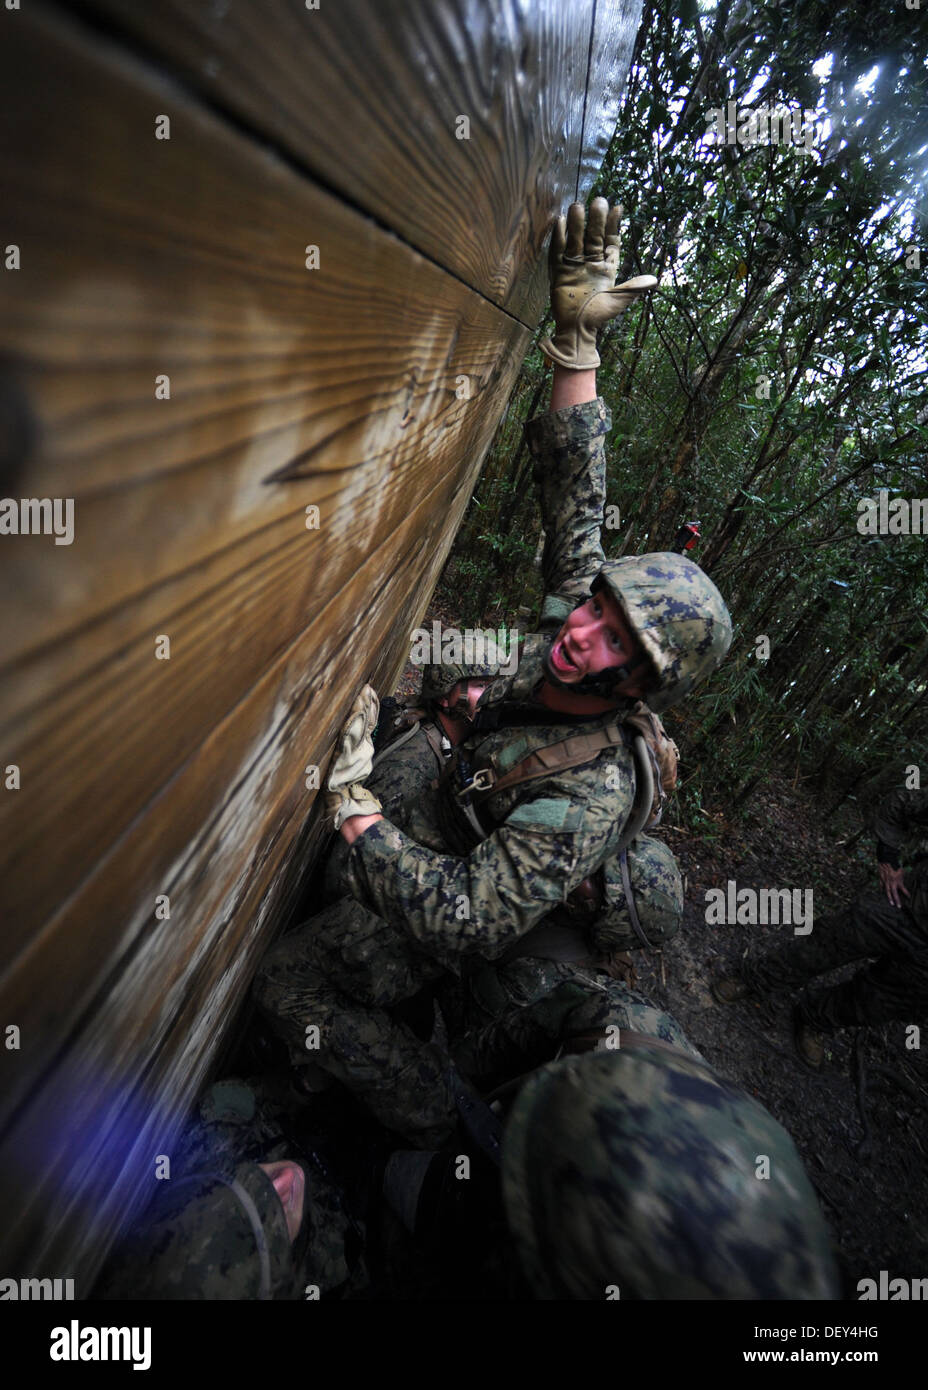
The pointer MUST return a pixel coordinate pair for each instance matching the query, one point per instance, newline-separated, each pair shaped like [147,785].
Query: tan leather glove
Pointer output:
[582,264]
[345,793]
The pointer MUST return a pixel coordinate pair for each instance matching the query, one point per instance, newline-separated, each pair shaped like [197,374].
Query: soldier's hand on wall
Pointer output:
[354,755]
[583,263]
[891,879]
[353,800]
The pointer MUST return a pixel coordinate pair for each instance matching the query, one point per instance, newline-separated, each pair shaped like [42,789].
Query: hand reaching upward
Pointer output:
[583,263]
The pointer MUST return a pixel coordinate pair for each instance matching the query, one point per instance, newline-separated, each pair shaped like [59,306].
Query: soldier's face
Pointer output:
[594,637]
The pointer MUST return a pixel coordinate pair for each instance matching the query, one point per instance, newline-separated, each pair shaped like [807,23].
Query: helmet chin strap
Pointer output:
[602,683]
[459,711]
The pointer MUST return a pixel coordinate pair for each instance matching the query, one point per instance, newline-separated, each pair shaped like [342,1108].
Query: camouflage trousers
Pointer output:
[893,987]
[331,989]
[511,1018]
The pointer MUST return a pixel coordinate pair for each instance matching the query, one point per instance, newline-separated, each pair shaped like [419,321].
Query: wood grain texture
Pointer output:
[352,386]
[611,46]
[110,1062]
[142,258]
[397,74]
[186,778]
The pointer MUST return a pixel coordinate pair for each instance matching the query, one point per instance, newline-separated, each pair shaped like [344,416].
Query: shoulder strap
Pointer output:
[630,900]
[435,741]
[640,814]
[396,742]
[553,757]
[574,752]
[397,739]
[247,1203]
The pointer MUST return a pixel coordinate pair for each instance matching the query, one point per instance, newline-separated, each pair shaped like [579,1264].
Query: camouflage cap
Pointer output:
[641,1171]
[657,886]
[678,616]
[209,1237]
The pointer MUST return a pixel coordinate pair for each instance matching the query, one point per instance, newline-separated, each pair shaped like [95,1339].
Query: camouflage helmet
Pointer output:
[657,887]
[442,676]
[639,1173]
[211,1236]
[678,616]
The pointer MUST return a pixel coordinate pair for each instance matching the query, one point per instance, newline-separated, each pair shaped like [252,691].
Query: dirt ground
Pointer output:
[861,1125]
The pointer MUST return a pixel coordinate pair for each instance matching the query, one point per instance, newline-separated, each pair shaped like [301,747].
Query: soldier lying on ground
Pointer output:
[895,932]
[470,865]
[225,1226]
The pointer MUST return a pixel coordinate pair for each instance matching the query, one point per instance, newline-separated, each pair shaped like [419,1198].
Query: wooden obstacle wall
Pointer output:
[177,363]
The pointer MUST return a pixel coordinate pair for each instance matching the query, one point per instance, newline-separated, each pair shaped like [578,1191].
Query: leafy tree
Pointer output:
[775,381]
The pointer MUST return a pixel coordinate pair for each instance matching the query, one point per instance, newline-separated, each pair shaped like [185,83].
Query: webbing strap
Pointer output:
[630,900]
[434,741]
[553,757]
[246,1201]
[431,733]
[640,813]
[395,743]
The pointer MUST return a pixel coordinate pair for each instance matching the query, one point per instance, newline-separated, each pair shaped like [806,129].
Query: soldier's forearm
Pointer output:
[570,473]
[355,826]
[451,906]
[572,388]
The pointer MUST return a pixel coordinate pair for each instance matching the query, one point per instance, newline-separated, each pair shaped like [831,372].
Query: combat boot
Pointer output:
[810,1044]
[728,989]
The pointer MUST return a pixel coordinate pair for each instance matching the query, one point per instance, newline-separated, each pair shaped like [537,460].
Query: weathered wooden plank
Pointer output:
[121,996]
[612,44]
[140,258]
[92,757]
[186,256]
[106,724]
[367,94]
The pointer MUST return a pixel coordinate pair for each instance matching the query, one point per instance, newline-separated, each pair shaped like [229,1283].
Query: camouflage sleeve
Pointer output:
[570,473]
[481,904]
[898,816]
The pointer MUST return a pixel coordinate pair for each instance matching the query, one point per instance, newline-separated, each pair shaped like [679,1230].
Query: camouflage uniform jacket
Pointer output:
[552,833]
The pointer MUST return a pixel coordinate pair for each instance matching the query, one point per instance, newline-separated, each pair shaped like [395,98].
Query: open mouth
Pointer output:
[561,659]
